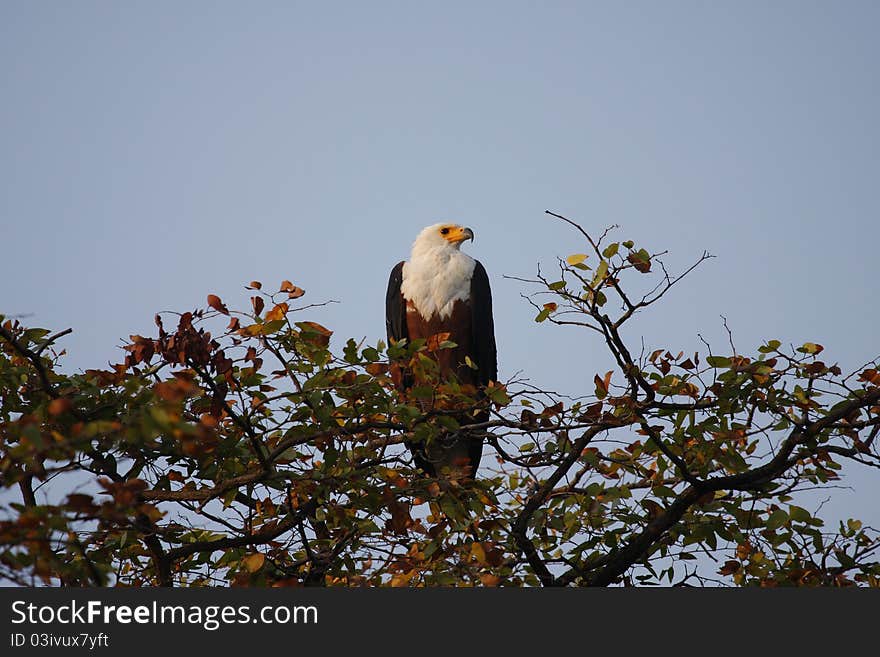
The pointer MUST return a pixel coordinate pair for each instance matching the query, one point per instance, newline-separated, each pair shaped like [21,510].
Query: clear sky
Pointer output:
[152,153]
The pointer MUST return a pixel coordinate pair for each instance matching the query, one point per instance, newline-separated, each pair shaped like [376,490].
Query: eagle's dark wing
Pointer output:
[482,326]
[483,353]
[395,306]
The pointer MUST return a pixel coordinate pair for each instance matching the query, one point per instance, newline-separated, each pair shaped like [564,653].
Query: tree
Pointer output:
[255,454]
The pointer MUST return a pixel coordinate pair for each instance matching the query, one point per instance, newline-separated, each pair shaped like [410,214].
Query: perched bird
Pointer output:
[441,290]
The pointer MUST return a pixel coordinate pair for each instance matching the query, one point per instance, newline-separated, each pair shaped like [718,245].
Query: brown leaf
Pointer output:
[255,285]
[80,501]
[315,333]
[653,508]
[591,413]
[400,518]
[550,411]
[641,260]
[258,304]
[216,304]
[376,369]
[293,292]
[729,567]
[529,418]
[602,384]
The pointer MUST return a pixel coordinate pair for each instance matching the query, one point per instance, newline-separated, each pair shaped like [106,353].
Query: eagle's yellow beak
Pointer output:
[459,234]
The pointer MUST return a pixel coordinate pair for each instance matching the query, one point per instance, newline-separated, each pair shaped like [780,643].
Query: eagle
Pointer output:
[441,290]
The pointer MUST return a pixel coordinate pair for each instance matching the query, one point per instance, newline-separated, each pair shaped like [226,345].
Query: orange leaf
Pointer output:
[402,579]
[743,550]
[208,420]
[256,285]
[252,330]
[278,312]
[871,375]
[489,579]
[59,406]
[253,562]
[436,340]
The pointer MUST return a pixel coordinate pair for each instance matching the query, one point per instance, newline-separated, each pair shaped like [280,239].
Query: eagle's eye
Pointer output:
[444,231]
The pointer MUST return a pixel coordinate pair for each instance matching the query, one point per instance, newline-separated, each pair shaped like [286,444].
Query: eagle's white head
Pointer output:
[441,236]
[438,274]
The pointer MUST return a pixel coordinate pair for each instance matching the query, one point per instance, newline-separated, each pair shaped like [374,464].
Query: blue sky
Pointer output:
[152,153]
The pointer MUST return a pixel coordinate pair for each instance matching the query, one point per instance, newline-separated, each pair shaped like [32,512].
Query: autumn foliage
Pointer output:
[249,447]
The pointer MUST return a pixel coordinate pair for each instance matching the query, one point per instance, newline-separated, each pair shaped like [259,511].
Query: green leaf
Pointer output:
[628,244]
[350,352]
[544,314]
[777,519]
[558,285]
[718,361]
[611,250]
[772,345]
[799,514]
[448,422]
[498,395]
[601,272]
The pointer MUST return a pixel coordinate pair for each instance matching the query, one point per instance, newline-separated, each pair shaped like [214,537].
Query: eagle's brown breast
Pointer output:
[458,325]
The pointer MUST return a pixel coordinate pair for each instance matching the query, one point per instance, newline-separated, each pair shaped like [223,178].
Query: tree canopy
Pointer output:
[240,447]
